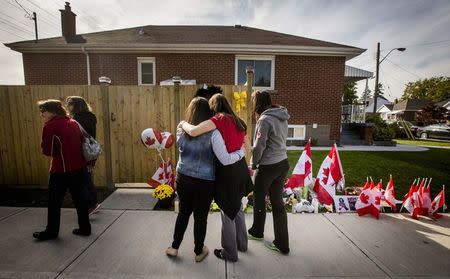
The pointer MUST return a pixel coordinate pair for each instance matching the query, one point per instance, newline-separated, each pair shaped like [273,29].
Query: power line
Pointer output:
[16,27]
[23,8]
[12,34]
[403,68]
[429,43]
[37,6]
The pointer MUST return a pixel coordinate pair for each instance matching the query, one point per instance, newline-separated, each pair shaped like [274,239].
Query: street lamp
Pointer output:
[375,94]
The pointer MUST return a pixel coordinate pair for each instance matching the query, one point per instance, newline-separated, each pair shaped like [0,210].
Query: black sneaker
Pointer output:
[218,253]
[81,232]
[45,235]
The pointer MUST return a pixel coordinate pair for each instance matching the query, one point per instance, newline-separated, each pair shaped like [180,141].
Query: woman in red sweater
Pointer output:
[232,181]
[61,140]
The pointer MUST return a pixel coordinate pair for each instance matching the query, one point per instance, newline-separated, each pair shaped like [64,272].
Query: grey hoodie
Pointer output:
[269,141]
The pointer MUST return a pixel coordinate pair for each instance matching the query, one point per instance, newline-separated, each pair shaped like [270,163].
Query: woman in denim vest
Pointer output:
[196,175]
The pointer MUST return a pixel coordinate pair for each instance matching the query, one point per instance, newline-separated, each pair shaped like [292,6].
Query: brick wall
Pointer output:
[310,87]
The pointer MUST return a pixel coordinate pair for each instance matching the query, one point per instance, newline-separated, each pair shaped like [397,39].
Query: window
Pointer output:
[264,70]
[296,132]
[146,71]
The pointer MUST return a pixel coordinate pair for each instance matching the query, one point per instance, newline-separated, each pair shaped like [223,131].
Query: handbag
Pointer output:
[90,147]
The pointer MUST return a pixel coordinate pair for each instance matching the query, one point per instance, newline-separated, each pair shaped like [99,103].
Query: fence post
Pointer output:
[176,88]
[250,74]
[104,90]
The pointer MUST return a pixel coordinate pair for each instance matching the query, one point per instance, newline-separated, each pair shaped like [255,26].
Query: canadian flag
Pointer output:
[439,201]
[163,175]
[330,173]
[412,202]
[426,200]
[389,195]
[302,173]
[368,201]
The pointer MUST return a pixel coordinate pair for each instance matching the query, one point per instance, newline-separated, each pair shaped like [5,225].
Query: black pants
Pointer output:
[269,179]
[195,196]
[59,182]
[91,193]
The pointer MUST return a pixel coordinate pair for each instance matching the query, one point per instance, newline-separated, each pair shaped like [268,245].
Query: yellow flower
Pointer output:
[162,191]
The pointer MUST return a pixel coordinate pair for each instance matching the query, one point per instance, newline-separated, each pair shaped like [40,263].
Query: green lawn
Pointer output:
[404,167]
[423,142]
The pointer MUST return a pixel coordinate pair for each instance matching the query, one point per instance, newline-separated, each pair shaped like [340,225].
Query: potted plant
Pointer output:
[165,195]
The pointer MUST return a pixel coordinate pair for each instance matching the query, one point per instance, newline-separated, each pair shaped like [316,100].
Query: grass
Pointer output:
[423,142]
[404,167]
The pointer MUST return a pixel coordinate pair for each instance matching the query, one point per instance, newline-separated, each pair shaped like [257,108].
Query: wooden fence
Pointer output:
[123,112]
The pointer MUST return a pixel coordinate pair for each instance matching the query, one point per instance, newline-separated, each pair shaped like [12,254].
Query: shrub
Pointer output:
[381,130]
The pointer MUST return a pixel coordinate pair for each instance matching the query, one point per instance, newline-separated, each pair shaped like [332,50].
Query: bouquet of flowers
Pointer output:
[163,191]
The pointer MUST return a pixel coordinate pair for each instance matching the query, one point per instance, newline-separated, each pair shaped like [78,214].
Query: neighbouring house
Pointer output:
[407,109]
[385,112]
[380,102]
[305,75]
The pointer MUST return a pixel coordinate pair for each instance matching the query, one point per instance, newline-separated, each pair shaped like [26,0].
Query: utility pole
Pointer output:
[35,26]
[375,93]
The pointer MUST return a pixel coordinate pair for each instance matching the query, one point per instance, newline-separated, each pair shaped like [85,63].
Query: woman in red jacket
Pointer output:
[61,140]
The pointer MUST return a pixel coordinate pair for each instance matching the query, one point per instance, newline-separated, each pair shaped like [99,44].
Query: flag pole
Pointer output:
[429,183]
[443,204]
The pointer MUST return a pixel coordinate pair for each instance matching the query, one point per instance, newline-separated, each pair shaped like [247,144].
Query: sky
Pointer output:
[423,27]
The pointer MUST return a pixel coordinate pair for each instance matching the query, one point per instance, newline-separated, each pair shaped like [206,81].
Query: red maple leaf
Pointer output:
[364,198]
[149,141]
[377,200]
[325,173]
[161,176]
[412,201]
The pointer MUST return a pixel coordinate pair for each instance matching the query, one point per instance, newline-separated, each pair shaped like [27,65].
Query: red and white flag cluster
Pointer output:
[418,199]
[369,200]
[330,175]
[163,175]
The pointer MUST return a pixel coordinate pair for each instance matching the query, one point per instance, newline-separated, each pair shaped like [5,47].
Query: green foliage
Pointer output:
[380,89]
[381,130]
[434,89]
[349,93]
[398,133]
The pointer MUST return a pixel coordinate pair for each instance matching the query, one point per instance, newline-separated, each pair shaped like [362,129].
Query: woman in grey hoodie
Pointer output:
[269,159]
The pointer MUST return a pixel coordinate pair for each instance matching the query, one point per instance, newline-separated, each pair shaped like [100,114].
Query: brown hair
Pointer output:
[53,106]
[197,112]
[78,103]
[219,104]
[261,101]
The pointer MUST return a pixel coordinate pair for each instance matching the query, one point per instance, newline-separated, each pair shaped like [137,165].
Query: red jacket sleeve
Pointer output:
[47,138]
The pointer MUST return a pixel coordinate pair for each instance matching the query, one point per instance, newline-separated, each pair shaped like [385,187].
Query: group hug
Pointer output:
[211,166]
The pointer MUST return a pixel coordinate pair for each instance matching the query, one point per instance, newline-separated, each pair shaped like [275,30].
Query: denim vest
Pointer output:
[196,157]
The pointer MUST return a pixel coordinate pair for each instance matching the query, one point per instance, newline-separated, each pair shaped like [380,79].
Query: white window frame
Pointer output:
[141,60]
[257,57]
[303,137]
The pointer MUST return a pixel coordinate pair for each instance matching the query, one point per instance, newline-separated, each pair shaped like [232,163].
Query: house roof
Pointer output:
[410,105]
[388,106]
[355,74]
[185,38]
[444,103]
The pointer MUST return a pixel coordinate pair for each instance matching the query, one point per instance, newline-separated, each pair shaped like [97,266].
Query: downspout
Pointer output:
[88,65]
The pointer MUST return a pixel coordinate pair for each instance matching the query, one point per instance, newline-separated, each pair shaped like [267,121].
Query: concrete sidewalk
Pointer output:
[131,244]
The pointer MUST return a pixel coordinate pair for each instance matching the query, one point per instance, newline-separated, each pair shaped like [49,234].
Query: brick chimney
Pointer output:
[68,23]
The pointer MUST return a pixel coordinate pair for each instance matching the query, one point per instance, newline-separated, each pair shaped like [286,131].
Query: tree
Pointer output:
[350,92]
[433,89]
[432,114]
[380,89]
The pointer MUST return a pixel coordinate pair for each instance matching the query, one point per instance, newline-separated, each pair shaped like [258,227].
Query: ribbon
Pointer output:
[240,99]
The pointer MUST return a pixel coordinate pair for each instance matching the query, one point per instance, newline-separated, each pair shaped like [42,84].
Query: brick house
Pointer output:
[306,75]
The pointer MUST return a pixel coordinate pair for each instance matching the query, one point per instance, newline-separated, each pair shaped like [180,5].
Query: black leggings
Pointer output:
[76,181]
[195,196]
[269,179]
